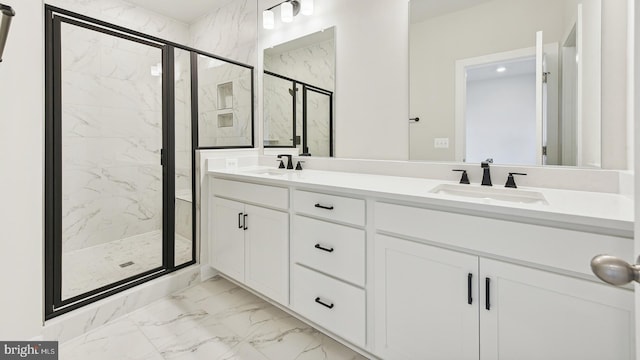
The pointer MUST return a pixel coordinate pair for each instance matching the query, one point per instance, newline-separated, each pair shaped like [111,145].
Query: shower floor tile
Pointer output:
[214,320]
[90,268]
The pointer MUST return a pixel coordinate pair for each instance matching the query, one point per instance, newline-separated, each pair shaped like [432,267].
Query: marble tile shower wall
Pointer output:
[131,16]
[315,65]
[229,31]
[278,116]
[213,132]
[112,111]
[111,138]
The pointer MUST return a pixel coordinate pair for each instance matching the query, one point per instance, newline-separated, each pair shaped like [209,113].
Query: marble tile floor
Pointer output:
[90,268]
[214,320]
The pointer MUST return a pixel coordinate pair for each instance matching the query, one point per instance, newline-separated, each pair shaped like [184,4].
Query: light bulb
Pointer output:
[306,7]
[286,12]
[268,19]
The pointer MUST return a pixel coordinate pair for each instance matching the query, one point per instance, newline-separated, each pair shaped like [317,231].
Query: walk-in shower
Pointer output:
[121,133]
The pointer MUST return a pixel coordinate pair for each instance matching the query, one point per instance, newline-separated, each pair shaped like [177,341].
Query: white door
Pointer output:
[267,252]
[426,302]
[534,314]
[539,96]
[227,245]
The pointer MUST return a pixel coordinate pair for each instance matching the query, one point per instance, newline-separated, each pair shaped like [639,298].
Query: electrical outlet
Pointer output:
[232,163]
[441,143]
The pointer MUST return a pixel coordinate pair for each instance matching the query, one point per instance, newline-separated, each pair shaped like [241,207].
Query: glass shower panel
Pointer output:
[225,104]
[318,109]
[278,111]
[184,154]
[111,137]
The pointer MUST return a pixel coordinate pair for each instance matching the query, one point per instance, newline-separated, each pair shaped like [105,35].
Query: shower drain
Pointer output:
[128,263]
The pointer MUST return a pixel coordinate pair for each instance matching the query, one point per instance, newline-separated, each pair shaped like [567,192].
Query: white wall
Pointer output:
[371,96]
[614,84]
[21,179]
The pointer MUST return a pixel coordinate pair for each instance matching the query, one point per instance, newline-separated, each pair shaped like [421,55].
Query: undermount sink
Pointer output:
[269,172]
[490,193]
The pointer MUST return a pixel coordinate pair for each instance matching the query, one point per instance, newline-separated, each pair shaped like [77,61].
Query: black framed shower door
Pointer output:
[301,130]
[73,148]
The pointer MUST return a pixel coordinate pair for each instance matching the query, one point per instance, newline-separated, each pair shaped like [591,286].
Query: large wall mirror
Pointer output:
[517,81]
[298,93]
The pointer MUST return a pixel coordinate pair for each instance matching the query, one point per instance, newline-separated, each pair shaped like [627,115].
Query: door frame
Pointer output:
[461,91]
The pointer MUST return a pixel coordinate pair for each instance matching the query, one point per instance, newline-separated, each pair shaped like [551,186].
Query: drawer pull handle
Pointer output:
[239,220]
[324,207]
[487,304]
[469,281]
[244,222]
[330,306]
[323,248]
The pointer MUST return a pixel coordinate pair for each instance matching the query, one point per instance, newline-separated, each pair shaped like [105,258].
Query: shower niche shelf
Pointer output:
[225,120]
[225,96]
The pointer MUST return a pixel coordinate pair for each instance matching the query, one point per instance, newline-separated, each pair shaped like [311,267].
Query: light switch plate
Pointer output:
[441,143]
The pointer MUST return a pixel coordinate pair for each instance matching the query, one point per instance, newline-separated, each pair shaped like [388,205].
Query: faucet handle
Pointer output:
[511,182]
[281,166]
[299,165]
[464,179]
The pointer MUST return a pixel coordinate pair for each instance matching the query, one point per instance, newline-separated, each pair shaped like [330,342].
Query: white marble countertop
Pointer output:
[604,213]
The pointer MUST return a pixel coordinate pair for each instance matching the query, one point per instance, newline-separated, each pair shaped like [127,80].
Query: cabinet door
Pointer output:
[267,252]
[422,307]
[227,245]
[534,314]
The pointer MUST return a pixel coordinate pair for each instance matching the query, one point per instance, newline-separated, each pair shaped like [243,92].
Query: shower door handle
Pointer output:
[161,157]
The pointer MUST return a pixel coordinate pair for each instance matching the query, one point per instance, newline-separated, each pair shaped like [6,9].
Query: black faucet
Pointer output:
[289,162]
[486,175]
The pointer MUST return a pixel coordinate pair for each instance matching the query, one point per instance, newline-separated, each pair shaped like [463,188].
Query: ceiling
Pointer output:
[187,11]
[516,67]
[422,10]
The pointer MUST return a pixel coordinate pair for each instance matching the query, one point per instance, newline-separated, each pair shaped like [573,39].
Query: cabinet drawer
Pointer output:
[333,249]
[343,311]
[330,207]
[270,196]
[558,248]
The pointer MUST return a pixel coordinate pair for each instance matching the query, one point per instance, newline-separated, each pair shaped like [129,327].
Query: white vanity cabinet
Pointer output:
[424,308]
[437,303]
[250,243]
[328,262]
[535,314]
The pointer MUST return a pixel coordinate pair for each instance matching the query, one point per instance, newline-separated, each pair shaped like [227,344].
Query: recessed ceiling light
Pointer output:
[501,69]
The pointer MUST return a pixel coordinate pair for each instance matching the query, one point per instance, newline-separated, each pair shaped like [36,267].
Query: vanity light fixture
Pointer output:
[501,69]
[6,14]
[268,19]
[288,10]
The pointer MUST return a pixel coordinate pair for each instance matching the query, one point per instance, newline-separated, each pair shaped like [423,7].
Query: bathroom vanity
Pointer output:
[411,268]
